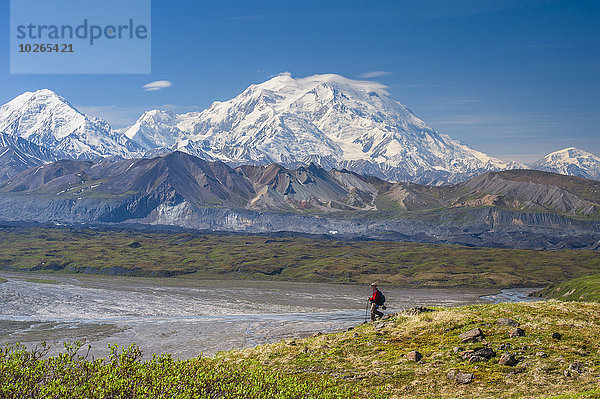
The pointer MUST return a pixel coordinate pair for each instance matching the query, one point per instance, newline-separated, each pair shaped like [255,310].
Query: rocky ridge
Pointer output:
[495,209]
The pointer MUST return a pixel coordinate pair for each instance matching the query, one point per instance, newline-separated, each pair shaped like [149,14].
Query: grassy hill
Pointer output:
[286,258]
[374,356]
[585,288]
[369,361]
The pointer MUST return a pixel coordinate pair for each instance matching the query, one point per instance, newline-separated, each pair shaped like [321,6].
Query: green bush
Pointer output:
[27,373]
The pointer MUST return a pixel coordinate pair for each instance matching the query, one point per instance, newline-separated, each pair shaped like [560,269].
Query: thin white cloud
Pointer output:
[157,85]
[374,74]
[286,73]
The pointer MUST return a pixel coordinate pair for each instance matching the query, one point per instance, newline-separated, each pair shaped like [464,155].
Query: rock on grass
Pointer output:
[479,355]
[506,321]
[474,335]
[517,332]
[508,359]
[460,377]
[414,356]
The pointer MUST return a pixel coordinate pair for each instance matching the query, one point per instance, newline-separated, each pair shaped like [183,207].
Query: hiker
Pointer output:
[377,299]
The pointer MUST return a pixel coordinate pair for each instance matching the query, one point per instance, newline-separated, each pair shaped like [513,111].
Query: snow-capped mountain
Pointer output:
[571,161]
[48,120]
[328,120]
[157,129]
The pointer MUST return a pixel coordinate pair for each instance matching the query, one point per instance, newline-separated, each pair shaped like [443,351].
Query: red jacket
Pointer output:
[376,296]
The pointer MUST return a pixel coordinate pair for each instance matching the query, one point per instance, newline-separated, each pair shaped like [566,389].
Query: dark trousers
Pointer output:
[375,314]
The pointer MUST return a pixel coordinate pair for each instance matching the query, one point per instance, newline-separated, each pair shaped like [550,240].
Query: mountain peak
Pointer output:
[47,93]
[156,112]
[285,82]
[569,152]
[41,93]
[155,129]
[341,81]
[40,97]
[42,112]
[571,161]
[48,120]
[157,116]
[328,119]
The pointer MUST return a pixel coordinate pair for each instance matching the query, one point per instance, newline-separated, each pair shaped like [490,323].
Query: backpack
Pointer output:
[381,299]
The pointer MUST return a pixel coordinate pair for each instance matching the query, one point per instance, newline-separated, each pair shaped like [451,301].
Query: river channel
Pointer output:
[189,317]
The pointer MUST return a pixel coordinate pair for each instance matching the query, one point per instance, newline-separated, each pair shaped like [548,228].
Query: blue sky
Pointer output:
[514,79]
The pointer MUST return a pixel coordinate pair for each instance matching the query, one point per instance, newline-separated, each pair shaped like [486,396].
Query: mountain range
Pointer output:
[180,177]
[317,155]
[516,208]
[325,120]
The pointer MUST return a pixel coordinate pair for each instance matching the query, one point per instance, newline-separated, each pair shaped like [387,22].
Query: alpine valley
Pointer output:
[316,155]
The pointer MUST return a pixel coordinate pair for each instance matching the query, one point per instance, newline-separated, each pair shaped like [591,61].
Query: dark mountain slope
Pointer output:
[17,155]
[514,208]
[307,188]
[532,191]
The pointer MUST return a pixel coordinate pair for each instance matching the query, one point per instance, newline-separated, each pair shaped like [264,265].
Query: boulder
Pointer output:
[556,336]
[487,353]
[508,359]
[480,354]
[516,332]
[505,321]
[414,356]
[460,377]
[474,335]
[464,378]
